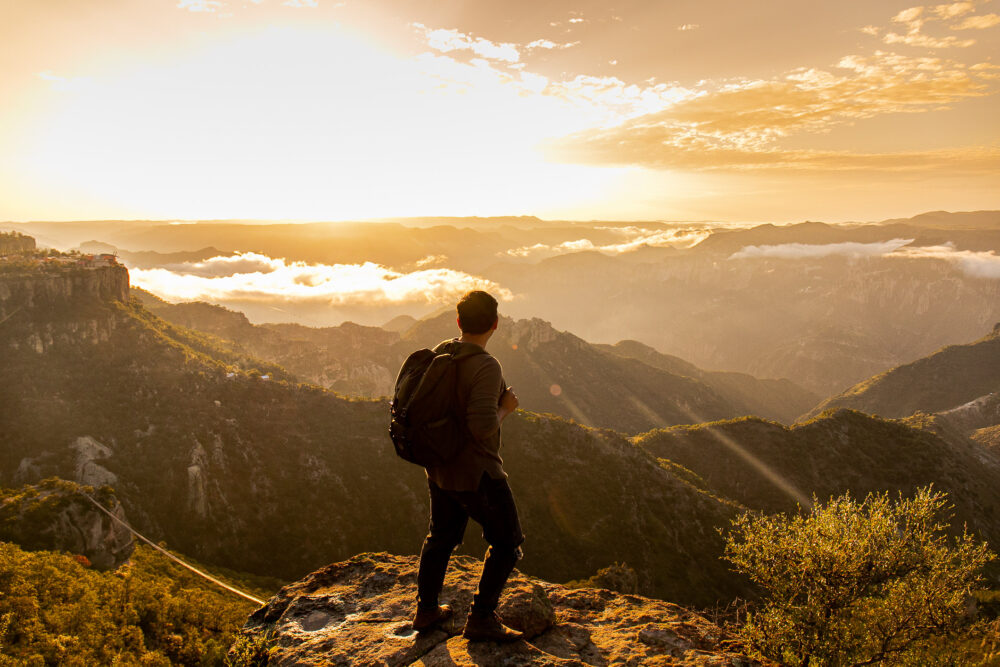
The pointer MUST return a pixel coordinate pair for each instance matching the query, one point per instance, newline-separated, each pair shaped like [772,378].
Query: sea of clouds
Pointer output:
[254,277]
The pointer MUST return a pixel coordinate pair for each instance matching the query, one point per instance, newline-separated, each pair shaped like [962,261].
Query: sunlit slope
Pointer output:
[782,400]
[767,466]
[947,379]
[278,478]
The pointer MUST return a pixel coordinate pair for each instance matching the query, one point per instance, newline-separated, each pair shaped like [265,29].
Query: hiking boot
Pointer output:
[425,619]
[489,629]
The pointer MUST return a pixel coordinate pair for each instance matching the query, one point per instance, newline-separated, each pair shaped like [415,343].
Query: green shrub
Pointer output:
[854,583]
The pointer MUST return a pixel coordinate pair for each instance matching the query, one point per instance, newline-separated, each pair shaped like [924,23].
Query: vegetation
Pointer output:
[952,376]
[615,577]
[56,610]
[856,583]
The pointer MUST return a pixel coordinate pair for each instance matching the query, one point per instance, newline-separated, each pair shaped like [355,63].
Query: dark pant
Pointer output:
[492,507]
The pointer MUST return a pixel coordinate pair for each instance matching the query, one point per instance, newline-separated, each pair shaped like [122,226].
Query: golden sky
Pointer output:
[322,110]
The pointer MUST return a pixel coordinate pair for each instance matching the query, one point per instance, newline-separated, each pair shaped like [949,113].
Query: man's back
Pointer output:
[480,385]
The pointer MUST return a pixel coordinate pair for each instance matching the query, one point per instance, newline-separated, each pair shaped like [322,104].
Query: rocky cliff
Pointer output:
[358,613]
[55,515]
[42,305]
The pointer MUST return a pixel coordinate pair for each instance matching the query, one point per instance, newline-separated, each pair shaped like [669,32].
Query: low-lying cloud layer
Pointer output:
[813,251]
[635,238]
[253,277]
[971,263]
[976,264]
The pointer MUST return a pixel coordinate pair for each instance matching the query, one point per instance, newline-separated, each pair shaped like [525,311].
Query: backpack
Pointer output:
[423,422]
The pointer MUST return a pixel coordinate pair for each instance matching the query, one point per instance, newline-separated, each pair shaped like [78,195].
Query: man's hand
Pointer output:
[508,403]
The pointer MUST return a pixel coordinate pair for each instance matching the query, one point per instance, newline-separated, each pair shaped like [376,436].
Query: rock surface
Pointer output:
[358,612]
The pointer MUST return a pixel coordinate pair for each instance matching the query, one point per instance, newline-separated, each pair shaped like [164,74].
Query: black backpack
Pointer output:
[424,425]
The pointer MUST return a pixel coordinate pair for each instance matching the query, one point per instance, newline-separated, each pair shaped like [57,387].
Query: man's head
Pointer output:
[477,312]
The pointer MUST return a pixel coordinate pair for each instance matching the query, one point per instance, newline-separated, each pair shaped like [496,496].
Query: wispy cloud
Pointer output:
[977,264]
[635,238]
[447,41]
[815,251]
[914,19]
[739,124]
[209,6]
[253,277]
[688,26]
[978,22]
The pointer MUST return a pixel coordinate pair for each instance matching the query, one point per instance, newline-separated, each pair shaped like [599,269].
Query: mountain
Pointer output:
[946,380]
[948,220]
[237,468]
[826,305]
[237,465]
[826,321]
[770,467]
[624,387]
[358,612]
[780,400]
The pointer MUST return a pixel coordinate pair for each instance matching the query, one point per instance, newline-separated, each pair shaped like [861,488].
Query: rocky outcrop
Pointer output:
[51,306]
[55,515]
[358,613]
[88,469]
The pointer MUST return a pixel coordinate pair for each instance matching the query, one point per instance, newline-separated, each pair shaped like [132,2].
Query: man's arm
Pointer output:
[483,415]
[508,404]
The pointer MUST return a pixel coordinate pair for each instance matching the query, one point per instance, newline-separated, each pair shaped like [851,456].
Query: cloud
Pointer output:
[200,5]
[447,41]
[253,277]
[815,251]
[915,18]
[688,26]
[636,237]
[975,264]
[972,263]
[548,44]
[431,259]
[978,22]
[739,124]
[299,4]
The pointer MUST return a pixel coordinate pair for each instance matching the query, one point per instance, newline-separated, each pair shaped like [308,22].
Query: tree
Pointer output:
[853,583]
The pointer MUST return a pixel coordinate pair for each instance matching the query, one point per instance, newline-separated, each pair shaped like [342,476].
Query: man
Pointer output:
[473,484]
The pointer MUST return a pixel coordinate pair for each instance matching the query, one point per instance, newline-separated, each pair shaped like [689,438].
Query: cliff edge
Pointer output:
[358,612]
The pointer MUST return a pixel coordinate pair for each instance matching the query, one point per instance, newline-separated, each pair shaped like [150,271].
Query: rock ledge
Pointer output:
[358,612]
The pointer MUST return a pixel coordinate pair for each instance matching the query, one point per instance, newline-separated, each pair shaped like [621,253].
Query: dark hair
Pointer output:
[477,311]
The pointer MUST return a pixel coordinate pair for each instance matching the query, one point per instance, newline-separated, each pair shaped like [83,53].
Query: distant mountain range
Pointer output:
[825,305]
[628,387]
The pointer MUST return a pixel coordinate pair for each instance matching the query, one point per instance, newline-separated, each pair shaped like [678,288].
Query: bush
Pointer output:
[853,583]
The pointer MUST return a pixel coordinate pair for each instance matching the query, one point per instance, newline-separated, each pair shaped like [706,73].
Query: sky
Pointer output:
[636,110]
